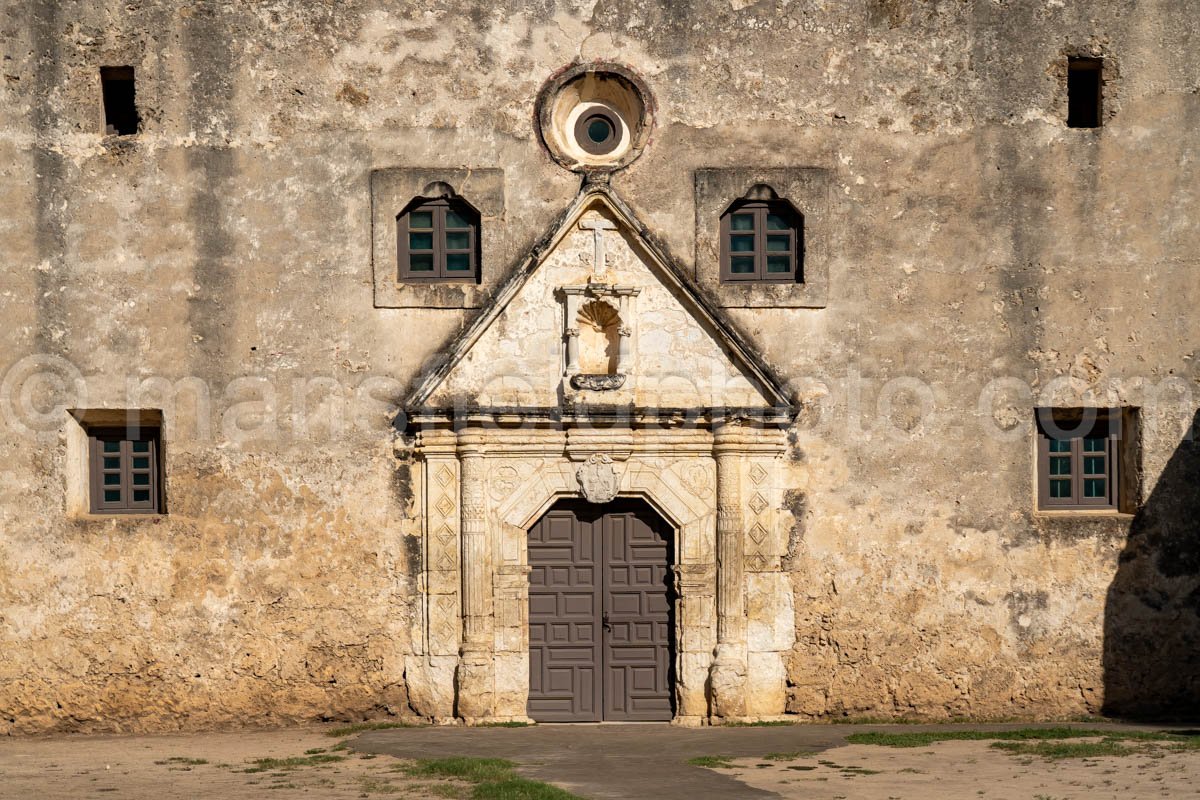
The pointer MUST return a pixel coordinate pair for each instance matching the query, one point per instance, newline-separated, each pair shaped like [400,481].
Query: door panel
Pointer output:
[564,620]
[637,645]
[600,626]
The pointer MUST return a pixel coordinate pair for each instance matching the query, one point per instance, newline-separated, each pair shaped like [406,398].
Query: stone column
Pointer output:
[476,671]
[572,333]
[728,675]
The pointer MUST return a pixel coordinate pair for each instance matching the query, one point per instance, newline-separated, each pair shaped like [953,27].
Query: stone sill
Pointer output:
[89,517]
[1083,514]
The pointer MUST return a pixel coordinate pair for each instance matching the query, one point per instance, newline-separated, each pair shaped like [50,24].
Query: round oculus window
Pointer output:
[597,132]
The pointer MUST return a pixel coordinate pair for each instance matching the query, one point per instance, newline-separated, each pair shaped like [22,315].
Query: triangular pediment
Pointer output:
[598,315]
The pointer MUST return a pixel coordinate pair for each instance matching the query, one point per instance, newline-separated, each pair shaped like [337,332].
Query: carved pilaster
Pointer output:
[728,676]
[443,626]
[476,681]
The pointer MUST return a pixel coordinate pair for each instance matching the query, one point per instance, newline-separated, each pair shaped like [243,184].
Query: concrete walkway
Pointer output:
[615,760]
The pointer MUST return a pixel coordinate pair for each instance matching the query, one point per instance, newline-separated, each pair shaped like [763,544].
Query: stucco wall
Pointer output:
[971,236]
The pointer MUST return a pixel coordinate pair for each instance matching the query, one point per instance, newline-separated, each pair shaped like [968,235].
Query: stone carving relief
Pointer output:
[697,479]
[758,519]
[600,317]
[504,481]
[442,555]
[598,479]
[598,383]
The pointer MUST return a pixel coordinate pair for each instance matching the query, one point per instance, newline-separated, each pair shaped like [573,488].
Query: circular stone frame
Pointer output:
[585,132]
[577,96]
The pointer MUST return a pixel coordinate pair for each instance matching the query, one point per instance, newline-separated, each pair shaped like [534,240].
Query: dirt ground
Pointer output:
[965,770]
[162,767]
[226,766]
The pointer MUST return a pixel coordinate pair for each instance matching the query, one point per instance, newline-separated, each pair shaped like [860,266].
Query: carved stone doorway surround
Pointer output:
[484,486]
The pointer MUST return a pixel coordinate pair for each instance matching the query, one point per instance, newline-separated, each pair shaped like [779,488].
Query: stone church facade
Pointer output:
[608,361]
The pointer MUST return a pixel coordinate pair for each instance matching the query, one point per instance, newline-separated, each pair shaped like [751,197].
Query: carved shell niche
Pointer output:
[599,338]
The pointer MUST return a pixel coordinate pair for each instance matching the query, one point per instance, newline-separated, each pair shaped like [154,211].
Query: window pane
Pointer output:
[420,219]
[112,447]
[140,447]
[141,479]
[112,479]
[1093,445]
[1060,465]
[141,495]
[420,241]
[112,462]
[421,263]
[1093,487]
[458,262]
[1093,465]
[741,244]
[1060,488]
[777,223]
[741,222]
[741,265]
[598,130]
[458,241]
[139,462]
[779,243]
[1060,445]
[779,264]
[453,220]
[112,495]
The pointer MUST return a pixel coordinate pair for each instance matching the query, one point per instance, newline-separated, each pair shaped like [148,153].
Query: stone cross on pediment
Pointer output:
[599,266]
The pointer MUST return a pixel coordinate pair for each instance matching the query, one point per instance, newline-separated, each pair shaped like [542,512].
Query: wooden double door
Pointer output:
[601,614]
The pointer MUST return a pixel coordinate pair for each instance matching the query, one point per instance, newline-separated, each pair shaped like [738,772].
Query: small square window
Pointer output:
[438,241]
[120,101]
[762,242]
[125,470]
[1083,457]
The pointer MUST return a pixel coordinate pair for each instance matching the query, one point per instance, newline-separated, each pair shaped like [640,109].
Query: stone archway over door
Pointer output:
[601,614]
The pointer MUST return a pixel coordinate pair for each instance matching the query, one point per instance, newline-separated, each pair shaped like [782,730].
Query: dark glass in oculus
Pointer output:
[599,129]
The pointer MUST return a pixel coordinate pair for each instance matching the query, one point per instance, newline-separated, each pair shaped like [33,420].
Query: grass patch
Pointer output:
[359,727]
[1073,749]
[1050,743]
[772,723]
[712,762]
[475,770]
[792,756]
[190,762]
[296,762]
[377,786]
[494,778]
[515,788]
[926,738]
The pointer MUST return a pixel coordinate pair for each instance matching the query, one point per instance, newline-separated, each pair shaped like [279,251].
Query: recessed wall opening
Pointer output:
[120,102]
[1085,81]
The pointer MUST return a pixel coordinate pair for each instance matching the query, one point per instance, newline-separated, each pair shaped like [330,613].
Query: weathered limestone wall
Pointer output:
[971,236]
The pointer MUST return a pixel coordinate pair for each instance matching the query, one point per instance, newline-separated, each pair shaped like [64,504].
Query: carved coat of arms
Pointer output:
[598,479]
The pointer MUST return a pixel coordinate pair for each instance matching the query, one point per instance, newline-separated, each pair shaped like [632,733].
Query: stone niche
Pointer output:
[598,372]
